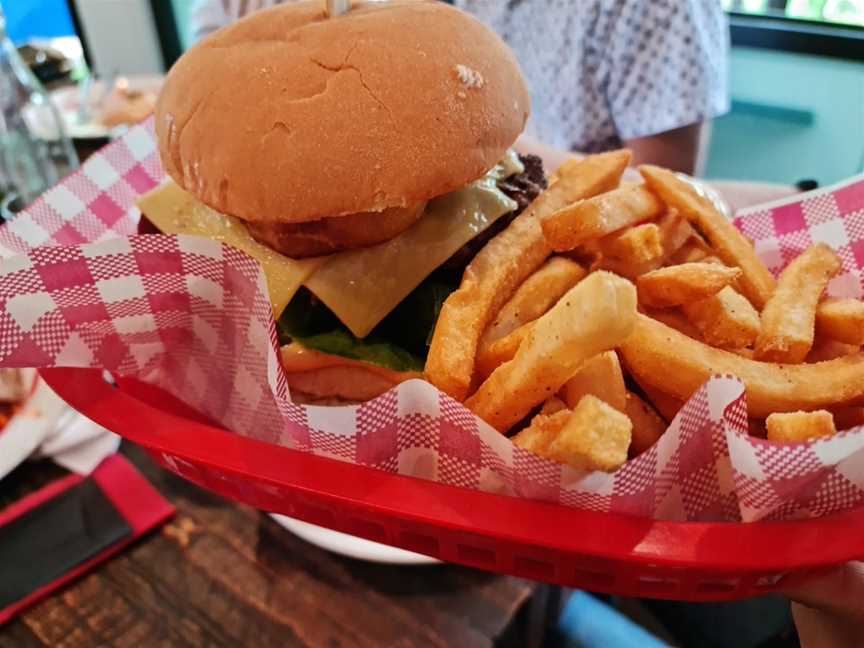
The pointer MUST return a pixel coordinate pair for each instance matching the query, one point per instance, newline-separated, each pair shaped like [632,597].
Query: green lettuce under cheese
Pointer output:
[400,342]
[342,343]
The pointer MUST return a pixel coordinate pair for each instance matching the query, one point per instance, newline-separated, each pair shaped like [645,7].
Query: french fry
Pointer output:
[594,316]
[674,319]
[682,284]
[792,427]
[676,233]
[492,355]
[539,434]
[624,268]
[726,320]
[667,406]
[846,418]
[757,283]
[537,294]
[532,299]
[593,436]
[640,255]
[662,357]
[596,217]
[600,376]
[502,265]
[825,349]
[553,405]
[635,245]
[596,436]
[689,253]
[789,317]
[841,320]
[648,427]
[677,238]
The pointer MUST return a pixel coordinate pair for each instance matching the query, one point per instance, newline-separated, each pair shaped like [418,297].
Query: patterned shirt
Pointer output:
[600,71]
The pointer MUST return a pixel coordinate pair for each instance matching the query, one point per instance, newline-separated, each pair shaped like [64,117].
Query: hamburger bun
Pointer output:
[337,385]
[288,116]
[325,134]
[313,376]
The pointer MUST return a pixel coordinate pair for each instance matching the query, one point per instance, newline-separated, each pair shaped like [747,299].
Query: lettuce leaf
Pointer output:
[400,342]
[342,343]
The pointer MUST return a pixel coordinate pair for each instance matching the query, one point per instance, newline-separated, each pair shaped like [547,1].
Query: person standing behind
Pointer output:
[649,75]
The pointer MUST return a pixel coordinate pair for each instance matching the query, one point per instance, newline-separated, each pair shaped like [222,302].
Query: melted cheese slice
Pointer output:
[363,286]
[360,286]
[174,211]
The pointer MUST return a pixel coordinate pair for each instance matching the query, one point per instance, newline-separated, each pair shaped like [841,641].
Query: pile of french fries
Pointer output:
[586,325]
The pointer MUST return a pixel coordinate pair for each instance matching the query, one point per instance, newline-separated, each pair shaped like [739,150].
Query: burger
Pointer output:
[362,159]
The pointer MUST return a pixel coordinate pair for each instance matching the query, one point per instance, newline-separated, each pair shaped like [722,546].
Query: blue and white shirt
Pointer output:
[600,71]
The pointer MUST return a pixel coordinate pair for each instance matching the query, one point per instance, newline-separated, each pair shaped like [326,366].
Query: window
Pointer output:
[837,12]
[37,19]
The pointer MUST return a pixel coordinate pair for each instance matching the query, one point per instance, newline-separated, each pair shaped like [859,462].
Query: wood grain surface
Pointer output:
[223,574]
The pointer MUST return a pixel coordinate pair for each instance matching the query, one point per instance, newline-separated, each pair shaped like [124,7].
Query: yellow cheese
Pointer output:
[174,211]
[363,286]
[360,286]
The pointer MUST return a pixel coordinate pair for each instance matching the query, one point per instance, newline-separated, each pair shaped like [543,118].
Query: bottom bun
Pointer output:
[354,384]
[327,235]
[317,378]
[302,398]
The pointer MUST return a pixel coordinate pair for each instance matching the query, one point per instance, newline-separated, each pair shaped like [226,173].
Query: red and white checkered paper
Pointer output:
[193,317]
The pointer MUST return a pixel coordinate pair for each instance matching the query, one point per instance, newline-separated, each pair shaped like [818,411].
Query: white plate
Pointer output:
[351,546]
[29,427]
[68,98]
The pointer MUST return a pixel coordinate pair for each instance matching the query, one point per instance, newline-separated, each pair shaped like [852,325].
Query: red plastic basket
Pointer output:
[603,552]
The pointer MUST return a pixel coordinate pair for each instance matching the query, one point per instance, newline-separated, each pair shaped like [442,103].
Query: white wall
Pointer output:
[121,36]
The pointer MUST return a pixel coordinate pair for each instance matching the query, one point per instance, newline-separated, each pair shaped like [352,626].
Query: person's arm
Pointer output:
[678,149]
[829,609]
[663,85]
[552,157]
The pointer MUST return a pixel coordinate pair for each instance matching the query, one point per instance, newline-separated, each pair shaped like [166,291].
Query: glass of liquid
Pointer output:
[35,152]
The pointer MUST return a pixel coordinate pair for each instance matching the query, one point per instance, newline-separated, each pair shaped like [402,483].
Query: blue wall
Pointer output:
[26,19]
[793,117]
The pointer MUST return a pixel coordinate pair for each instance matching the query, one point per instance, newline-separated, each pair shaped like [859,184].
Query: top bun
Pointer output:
[290,116]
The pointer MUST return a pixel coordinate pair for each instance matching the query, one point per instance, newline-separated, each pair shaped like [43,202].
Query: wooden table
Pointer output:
[223,574]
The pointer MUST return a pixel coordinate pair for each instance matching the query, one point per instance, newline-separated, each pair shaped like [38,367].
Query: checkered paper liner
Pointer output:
[192,316]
